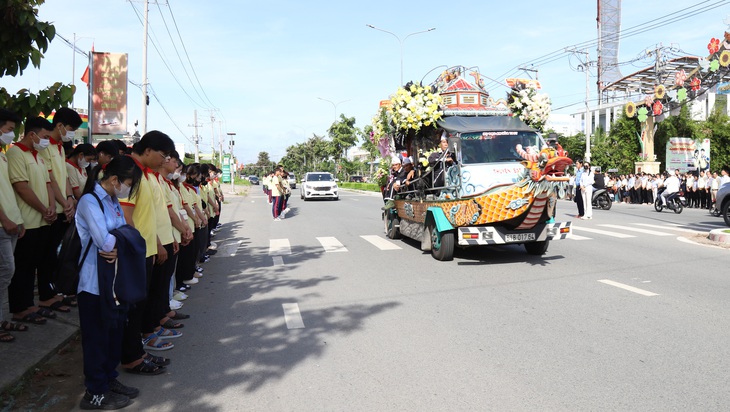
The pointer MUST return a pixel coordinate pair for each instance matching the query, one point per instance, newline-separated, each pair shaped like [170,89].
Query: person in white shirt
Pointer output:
[671,185]
[587,178]
[725,175]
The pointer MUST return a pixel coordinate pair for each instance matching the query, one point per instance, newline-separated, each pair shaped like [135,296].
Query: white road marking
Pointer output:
[635,229]
[629,288]
[675,228]
[602,232]
[292,316]
[331,244]
[685,240]
[573,236]
[381,243]
[278,261]
[238,245]
[279,247]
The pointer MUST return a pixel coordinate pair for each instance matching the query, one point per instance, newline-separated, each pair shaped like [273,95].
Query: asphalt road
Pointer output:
[320,312]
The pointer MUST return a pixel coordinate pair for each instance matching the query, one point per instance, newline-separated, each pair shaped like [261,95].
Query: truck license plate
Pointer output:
[519,237]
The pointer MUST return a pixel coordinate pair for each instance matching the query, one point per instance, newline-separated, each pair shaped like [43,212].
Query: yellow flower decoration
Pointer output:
[660,91]
[725,58]
[630,109]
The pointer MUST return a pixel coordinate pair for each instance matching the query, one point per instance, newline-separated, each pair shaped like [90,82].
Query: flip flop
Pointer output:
[171,324]
[46,313]
[6,337]
[58,306]
[157,360]
[33,318]
[179,316]
[168,333]
[146,368]
[159,344]
[6,326]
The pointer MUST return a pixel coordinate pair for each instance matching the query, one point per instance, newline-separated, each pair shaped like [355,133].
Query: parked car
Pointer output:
[318,185]
[254,180]
[292,180]
[723,202]
[356,179]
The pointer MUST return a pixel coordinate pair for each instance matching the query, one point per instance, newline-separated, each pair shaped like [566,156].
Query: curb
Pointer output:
[719,235]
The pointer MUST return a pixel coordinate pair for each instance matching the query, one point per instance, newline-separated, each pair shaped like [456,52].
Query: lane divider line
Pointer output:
[602,232]
[331,244]
[381,243]
[635,229]
[629,288]
[292,316]
[278,260]
[279,247]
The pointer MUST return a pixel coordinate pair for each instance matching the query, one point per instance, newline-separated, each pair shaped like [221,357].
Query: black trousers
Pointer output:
[49,261]
[101,341]
[29,253]
[202,240]
[186,260]
[159,296]
[579,201]
[132,349]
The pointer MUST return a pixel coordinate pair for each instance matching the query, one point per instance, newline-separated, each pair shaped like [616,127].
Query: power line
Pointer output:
[154,95]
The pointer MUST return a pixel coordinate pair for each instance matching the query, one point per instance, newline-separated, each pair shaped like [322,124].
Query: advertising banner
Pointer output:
[687,154]
[109,93]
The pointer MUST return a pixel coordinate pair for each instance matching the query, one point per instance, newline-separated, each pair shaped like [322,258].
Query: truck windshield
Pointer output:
[490,147]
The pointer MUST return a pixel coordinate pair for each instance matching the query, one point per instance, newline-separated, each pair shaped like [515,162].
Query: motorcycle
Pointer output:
[675,202]
[601,199]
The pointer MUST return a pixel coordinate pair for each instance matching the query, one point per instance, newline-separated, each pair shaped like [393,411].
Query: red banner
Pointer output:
[109,93]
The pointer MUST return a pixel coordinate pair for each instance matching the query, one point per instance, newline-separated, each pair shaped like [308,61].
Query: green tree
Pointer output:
[620,148]
[264,163]
[717,128]
[23,40]
[575,145]
[343,135]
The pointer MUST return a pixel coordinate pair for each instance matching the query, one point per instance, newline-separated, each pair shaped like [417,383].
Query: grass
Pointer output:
[368,187]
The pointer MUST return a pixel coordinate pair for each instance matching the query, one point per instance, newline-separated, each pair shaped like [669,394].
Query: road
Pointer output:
[320,312]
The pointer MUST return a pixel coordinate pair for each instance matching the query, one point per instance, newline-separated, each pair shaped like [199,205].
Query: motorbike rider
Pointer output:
[671,186]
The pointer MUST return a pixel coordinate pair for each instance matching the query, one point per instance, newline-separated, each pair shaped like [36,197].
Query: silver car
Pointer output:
[318,185]
[292,180]
[723,202]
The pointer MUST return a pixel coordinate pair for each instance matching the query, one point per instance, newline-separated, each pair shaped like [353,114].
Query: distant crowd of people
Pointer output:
[276,186]
[144,221]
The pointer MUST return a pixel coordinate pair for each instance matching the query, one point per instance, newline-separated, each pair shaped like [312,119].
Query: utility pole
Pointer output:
[212,137]
[145,100]
[196,137]
[526,70]
[220,139]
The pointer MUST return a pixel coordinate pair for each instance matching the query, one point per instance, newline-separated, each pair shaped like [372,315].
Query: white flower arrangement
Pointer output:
[413,107]
[530,106]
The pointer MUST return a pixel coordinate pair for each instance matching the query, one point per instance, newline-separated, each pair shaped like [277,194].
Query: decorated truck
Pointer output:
[500,181]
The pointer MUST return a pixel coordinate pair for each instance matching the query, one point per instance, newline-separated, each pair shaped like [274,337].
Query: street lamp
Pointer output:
[232,169]
[334,105]
[401,44]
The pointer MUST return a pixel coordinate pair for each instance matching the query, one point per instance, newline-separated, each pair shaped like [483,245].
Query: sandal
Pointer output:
[33,318]
[154,342]
[58,306]
[168,333]
[46,313]
[157,360]
[6,337]
[146,368]
[170,324]
[12,327]
[70,301]
[179,316]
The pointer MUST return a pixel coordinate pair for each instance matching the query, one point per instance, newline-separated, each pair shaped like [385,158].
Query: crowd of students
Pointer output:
[144,220]
[276,186]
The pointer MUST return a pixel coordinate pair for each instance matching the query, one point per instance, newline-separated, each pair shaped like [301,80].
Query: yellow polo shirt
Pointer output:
[55,158]
[8,204]
[164,225]
[172,197]
[188,197]
[76,176]
[26,165]
[144,210]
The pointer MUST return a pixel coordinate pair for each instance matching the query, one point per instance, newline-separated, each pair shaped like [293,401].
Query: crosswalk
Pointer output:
[331,244]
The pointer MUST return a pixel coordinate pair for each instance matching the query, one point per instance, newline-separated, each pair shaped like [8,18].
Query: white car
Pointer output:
[292,180]
[318,185]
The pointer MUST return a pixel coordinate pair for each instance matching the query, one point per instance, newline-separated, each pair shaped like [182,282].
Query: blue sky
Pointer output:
[265,64]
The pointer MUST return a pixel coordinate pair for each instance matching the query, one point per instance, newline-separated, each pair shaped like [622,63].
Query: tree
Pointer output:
[23,40]
[620,148]
[343,135]
[717,128]
[264,163]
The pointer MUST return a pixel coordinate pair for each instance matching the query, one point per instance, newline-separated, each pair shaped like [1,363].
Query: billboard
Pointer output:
[109,93]
[687,154]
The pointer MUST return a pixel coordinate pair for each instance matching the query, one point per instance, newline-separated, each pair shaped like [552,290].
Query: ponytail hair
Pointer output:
[86,148]
[123,167]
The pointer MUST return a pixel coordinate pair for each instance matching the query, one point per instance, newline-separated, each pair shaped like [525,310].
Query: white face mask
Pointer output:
[41,145]
[123,191]
[182,178]
[173,176]
[70,134]
[7,138]
[94,164]
[83,163]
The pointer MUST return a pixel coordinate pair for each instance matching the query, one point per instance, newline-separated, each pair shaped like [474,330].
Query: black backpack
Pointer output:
[68,267]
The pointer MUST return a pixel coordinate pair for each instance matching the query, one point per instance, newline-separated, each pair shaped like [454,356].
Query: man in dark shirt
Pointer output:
[439,161]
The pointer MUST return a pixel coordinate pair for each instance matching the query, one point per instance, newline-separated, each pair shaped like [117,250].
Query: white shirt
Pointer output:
[587,179]
[672,184]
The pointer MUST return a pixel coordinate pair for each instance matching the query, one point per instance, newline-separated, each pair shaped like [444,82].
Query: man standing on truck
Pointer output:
[439,161]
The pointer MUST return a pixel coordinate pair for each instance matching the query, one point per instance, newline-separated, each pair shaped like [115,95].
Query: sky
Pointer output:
[275,73]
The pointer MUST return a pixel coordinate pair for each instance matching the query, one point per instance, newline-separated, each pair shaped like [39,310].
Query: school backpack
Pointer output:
[69,265]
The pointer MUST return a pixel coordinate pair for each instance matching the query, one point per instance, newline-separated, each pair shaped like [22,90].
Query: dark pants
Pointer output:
[29,253]
[101,341]
[277,205]
[217,217]
[132,349]
[211,226]
[159,297]
[202,240]
[49,261]
[186,261]
[579,201]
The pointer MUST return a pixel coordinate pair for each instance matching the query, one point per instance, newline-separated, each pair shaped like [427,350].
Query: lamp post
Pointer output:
[401,44]
[334,105]
[232,169]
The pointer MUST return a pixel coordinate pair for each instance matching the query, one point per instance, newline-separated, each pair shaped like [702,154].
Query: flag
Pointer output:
[85,76]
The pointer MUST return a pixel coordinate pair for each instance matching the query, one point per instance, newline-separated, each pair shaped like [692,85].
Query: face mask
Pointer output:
[586,167]
[70,134]
[123,191]
[7,138]
[41,145]
[181,178]
[94,164]
[83,163]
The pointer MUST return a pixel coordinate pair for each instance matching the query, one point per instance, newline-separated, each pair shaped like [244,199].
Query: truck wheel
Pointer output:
[391,225]
[442,244]
[537,248]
